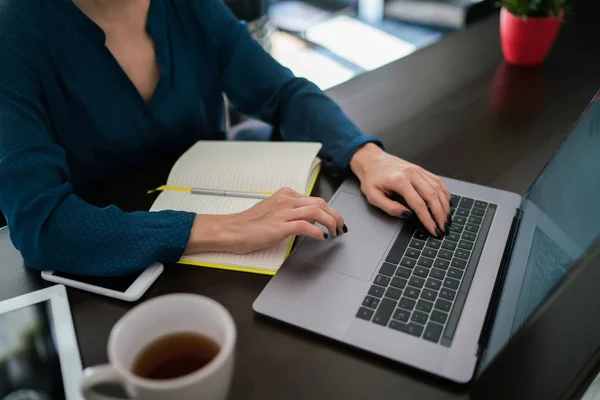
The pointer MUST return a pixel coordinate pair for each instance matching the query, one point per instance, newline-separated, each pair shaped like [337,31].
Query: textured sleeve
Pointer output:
[52,227]
[259,86]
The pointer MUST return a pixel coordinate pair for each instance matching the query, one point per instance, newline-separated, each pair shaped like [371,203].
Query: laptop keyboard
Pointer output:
[421,287]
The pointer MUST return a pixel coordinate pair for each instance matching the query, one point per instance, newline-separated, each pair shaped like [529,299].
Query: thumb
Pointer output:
[377,198]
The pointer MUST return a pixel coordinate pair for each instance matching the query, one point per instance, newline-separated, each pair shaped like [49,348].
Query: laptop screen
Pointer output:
[560,221]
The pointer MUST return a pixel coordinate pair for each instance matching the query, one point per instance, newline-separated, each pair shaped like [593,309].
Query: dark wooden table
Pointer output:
[456,109]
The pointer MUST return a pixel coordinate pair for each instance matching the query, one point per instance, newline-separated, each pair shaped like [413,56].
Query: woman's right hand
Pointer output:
[284,214]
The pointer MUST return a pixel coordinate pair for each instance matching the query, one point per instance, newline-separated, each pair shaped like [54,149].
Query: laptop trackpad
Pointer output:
[359,252]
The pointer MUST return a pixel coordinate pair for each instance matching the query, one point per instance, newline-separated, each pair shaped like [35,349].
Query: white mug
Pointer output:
[158,317]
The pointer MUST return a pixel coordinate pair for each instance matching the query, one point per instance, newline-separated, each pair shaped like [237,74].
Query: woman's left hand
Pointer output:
[382,174]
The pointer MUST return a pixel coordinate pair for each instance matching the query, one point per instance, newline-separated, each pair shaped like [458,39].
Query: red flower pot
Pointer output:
[527,41]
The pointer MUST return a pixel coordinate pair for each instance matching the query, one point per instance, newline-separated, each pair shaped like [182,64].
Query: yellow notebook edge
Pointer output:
[249,269]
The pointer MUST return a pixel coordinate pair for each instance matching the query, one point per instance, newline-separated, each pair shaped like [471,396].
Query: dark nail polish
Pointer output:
[337,231]
[449,220]
[345,228]
[438,232]
[325,235]
[406,214]
[446,227]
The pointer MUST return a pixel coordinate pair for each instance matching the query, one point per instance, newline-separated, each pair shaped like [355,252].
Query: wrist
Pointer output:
[363,157]
[211,233]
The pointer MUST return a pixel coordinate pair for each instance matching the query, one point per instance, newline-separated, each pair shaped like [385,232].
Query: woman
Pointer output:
[91,88]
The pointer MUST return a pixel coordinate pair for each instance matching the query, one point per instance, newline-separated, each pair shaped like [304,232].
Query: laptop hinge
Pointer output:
[506,256]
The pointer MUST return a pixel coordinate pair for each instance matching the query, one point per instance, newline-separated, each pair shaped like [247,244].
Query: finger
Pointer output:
[313,213]
[377,198]
[430,196]
[304,228]
[444,202]
[441,183]
[418,205]
[287,192]
[322,204]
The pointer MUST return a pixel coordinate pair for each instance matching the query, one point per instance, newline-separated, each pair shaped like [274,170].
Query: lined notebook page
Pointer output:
[269,258]
[245,166]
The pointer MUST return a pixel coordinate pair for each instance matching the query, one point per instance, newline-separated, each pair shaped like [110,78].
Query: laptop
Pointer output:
[445,306]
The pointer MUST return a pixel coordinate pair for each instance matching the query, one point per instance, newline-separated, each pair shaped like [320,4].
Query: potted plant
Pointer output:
[528,29]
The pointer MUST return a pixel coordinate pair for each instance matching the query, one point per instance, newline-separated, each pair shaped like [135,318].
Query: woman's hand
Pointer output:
[284,214]
[381,174]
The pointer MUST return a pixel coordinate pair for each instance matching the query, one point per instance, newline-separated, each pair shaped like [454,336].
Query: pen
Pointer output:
[231,193]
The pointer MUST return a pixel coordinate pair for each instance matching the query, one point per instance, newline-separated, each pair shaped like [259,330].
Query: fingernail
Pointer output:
[446,227]
[337,231]
[449,220]
[345,228]
[438,232]
[406,214]
[325,235]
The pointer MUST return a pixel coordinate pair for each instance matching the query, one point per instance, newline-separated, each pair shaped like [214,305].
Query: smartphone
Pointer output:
[127,288]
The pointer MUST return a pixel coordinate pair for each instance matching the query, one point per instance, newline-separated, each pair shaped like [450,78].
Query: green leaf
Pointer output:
[534,8]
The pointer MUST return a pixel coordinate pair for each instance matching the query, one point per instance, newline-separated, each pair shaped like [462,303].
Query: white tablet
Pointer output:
[39,357]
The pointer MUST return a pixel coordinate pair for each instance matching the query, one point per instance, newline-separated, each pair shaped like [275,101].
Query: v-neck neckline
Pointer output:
[97,31]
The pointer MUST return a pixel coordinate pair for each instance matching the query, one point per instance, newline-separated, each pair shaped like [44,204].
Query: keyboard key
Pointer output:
[426,262]
[441,264]
[367,301]
[428,294]
[412,292]
[448,245]
[412,253]
[403,272]
[407,303]
[469,236]
[445,254]
[475,220]
[424,305]
[401,315]
[439,316]
[399,283]
[454,199]
[456,228]
[462,254]
[384,312]
[437,274]
[459,220]
[416,282]
[465,244]
[461,212]
[395,254]
[471,228]
[478,212]
[433,332]
[421,234]
[480,204]
[411,329]
[451,283]
[382,280]
[447,294]
[454,273]
[365,313]
[417,244]
[443,305]
[458,263]
[429,252]
[452,210]
[453,236]
[393,293]
[419,317]
[375,302]
[433,284]
[434,243]
[466,202]
[422,272]
[376,291]
[408,262]
[387,269]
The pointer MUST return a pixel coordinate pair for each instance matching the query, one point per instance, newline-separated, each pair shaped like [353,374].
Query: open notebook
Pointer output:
[262,167]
